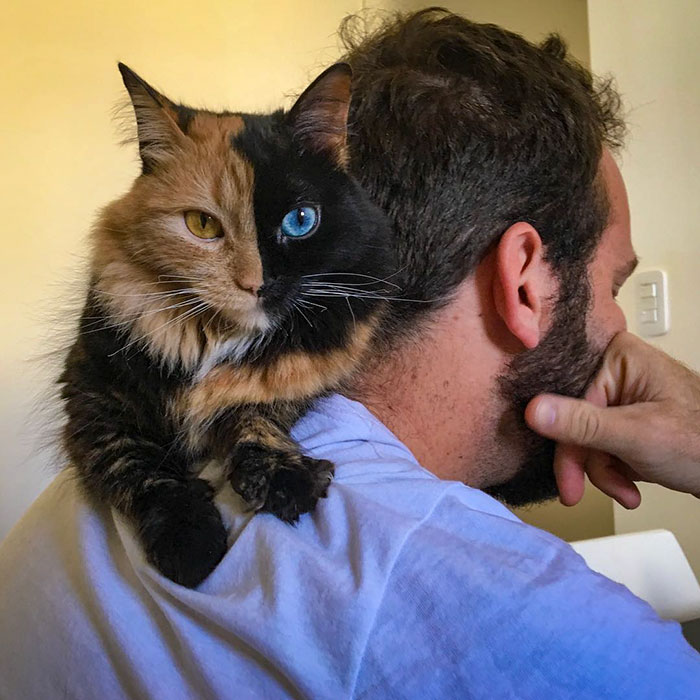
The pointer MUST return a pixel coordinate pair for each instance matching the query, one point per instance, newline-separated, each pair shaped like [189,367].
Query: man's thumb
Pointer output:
[574,421]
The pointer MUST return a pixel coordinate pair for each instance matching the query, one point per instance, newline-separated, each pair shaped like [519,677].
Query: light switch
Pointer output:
[648,303]
[651,291]
[648,290]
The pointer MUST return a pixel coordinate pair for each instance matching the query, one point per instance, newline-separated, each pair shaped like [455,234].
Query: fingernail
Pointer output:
[546,412]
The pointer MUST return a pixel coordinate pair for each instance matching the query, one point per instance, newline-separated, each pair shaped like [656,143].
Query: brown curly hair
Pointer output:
[459,130]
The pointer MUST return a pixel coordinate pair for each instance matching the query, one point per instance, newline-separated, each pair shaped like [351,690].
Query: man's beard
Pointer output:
[563,363]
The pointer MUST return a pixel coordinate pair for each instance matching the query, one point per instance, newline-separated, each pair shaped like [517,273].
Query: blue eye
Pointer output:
[300,222]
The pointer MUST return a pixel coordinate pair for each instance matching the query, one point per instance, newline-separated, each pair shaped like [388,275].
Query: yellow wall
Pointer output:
[60,158]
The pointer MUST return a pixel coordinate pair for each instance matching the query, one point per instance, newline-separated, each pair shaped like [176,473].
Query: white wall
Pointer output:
[651,46]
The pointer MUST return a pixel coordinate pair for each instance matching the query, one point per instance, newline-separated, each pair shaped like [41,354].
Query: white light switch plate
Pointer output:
[651,294]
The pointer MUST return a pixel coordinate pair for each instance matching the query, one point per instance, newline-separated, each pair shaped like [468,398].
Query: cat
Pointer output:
[241,277]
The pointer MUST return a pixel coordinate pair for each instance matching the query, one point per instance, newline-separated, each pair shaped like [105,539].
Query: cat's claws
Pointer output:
[285,484]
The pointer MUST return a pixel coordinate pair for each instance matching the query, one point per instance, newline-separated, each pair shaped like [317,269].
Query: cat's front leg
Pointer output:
[173,514]
[181,530]
[144,478]
[267,469]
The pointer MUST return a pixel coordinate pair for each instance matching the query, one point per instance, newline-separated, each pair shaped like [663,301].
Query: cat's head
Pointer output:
[242,227]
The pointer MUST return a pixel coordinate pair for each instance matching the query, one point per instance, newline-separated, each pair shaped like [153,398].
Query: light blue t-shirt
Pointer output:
[399,585]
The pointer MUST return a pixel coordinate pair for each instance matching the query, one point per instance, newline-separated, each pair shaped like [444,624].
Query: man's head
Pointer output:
[585,317]
[487,153]
[459,130]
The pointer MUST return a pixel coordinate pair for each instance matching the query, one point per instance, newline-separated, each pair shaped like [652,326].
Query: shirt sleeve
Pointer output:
[484,607]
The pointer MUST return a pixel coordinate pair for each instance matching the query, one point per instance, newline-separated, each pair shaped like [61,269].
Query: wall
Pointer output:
[651,48]
[59,147]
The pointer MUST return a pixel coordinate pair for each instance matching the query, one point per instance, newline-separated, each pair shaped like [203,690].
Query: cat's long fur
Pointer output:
[194,349]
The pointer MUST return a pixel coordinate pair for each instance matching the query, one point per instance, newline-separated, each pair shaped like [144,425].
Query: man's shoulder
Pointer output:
[480,600]
[308,596]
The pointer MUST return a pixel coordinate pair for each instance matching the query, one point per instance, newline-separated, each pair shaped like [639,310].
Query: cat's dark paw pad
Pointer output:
[295,491]
[183,535]
[285,484]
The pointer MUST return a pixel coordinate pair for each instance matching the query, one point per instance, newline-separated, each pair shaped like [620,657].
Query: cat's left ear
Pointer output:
[319,118]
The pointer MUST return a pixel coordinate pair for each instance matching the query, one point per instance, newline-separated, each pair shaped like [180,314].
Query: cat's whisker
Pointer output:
[335,292]
[352,313]
[359,274]
[341,285]
[259,344]
[171,307]
[199,308]
[96,328]
[211,319]
[356,274]
[164,276]
[373,280]
[377,296]
[306,303]
[360,286]
[100,323]
[303,304]
[339,289]
[151,295]
[379,293]
[306,318]
[179,278]
[130,318]
[175,281]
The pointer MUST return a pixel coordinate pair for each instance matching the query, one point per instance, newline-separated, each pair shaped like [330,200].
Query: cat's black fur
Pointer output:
[139,427]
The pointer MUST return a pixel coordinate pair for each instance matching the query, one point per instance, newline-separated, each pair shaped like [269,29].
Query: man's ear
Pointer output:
[522,283]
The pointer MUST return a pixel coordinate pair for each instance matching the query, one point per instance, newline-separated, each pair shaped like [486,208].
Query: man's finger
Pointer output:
[569,461]
[604,476]
[579,422]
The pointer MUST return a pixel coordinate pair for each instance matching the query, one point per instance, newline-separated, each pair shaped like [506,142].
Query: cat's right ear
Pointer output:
[159,134]
[319,118]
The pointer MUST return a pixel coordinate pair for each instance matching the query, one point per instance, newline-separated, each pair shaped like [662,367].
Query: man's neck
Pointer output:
[441,406]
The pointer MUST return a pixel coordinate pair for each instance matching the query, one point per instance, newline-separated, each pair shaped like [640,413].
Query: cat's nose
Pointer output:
[249,284]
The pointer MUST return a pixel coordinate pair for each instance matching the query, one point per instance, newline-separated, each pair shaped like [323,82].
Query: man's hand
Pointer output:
[640,421]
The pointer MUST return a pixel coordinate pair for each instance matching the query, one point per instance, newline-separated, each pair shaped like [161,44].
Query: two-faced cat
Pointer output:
[238,279]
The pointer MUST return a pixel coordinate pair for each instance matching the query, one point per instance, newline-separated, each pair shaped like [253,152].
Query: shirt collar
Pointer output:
[340,425]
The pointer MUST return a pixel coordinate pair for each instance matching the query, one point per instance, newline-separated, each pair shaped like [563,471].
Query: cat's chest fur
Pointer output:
[225,379]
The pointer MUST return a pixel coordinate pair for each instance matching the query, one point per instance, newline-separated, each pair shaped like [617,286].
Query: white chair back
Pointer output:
[652,565]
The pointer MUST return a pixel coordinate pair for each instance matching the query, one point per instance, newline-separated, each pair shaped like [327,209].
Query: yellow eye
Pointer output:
[202,225]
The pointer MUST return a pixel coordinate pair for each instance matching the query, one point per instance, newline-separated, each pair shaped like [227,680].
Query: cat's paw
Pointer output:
[285,484]
[182,532]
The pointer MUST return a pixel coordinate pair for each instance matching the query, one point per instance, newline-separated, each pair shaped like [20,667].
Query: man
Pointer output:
[512,225]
